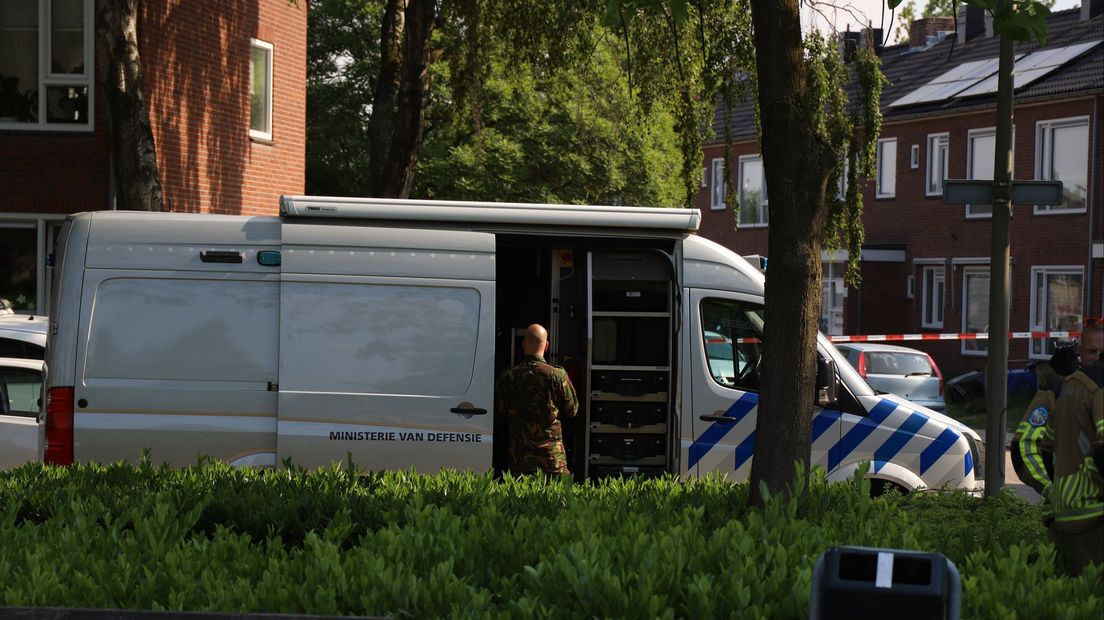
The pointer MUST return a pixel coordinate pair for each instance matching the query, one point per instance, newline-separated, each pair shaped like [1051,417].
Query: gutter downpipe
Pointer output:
[1094,197]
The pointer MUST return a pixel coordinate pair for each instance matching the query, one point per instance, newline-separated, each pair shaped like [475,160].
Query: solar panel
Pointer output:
[950,82]
[1032,67]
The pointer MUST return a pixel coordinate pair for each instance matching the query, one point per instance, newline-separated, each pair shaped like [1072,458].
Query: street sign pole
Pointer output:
[996,370]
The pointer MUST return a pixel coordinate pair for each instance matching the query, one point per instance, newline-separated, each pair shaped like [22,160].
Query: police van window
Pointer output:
[732,332]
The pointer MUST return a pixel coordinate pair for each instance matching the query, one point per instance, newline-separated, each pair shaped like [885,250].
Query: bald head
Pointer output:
[536,340]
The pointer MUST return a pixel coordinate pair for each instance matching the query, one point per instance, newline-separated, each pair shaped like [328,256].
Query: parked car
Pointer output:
[908,373]
[23,336]
[20,402]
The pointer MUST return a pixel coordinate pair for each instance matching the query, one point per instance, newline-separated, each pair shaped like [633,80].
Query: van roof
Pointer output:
[591,216]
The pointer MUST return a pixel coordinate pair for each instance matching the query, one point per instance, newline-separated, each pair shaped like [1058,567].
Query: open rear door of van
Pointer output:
[386,346]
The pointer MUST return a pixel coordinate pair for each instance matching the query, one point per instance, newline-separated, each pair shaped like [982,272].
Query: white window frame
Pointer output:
[938,144]
[914,157]
[879,193]
[1038,323]
[265,134]
[927,297]
[966,272]
[47,79]
[764,202]
[983,132]
[717,193]
[1043,137]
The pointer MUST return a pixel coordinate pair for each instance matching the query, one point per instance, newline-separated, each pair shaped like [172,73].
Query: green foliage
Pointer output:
[329,541]
[565,136]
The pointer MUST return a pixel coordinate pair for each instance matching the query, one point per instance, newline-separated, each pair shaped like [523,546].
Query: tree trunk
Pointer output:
[398,110]
[796,165]
[133,155]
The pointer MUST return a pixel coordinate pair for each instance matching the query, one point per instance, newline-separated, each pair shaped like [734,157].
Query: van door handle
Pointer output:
[722,419]
[468,410]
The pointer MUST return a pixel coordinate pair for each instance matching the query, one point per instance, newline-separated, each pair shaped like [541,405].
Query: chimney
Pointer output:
[849,44]
[1091,9]
[971,23]
[872,37]
[921,29]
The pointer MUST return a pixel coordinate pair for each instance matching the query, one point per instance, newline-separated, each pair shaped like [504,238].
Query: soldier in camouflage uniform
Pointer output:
[1077,493]
[534,396]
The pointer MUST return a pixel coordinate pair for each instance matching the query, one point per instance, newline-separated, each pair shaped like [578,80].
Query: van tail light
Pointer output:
[59,426]
[862,364]
[939,374]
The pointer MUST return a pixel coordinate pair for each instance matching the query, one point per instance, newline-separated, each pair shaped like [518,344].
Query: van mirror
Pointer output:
[827,382]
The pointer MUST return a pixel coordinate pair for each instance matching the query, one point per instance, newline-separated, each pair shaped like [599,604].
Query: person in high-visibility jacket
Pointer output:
[1076,494]
[1032,448]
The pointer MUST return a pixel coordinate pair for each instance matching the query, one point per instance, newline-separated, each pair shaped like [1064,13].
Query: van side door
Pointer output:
[718,427]
[386,347]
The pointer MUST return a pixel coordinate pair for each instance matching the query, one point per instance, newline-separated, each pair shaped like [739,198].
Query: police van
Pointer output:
[375,329]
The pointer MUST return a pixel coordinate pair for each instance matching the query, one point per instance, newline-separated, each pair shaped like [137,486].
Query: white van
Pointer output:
[375,329]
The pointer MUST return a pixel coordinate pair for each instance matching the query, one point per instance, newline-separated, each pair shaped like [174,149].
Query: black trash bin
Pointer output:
[864,582]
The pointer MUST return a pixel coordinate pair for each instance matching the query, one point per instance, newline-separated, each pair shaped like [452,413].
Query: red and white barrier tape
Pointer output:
[960,336]
[906,337]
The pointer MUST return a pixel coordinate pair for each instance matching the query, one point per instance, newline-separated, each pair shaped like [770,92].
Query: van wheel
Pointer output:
[879,487]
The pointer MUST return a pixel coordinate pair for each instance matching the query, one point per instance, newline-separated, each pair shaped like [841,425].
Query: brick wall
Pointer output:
[929,229]
[198,83]
[720,225]
[55,171]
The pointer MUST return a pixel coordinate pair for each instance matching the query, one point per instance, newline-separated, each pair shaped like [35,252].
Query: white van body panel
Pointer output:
[405,337]
[175,354]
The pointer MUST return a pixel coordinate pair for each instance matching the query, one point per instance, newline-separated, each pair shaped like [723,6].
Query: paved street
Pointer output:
[1010,479]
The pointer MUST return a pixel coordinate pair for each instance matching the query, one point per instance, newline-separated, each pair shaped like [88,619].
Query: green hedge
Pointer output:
[215,538]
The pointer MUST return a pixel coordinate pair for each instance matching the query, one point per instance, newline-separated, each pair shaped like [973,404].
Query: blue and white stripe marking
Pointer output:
[888,434]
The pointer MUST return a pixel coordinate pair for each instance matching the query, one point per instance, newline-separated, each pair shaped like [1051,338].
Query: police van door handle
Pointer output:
[466,408]
[722,419]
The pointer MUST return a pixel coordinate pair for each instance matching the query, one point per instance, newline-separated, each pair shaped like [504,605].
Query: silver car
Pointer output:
[908,373]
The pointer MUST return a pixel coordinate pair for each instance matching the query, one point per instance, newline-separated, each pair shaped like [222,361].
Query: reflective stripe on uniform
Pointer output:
[1029,450]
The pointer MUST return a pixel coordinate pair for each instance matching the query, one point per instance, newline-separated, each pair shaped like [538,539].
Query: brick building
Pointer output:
[225,84]
[925,264]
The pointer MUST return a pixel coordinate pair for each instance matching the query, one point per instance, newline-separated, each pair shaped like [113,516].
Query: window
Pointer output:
[1062,154]
[18,245]
[1056,296]
[391,348]
[234,320]
[887,168]
[753,192]
[20,391]
[932,297]
[980,146]
[260,90]
[832,294]
[717,191]
[938,147]
[914,157]
[46,64]
[975,308]
[733,332]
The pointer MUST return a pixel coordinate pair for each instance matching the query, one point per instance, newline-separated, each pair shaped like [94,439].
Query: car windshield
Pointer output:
[886,363]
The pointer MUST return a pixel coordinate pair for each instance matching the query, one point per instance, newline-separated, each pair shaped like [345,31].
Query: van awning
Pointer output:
[590,216]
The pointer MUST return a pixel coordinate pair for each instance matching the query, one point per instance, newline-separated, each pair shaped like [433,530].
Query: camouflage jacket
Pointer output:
[533,397]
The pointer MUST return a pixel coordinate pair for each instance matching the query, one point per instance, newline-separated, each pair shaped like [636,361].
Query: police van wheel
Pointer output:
[879,487]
